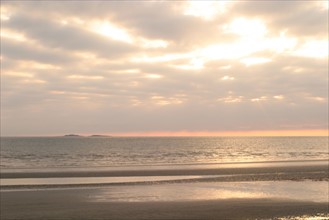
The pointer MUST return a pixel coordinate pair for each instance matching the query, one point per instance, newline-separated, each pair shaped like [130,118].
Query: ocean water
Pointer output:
[77,152]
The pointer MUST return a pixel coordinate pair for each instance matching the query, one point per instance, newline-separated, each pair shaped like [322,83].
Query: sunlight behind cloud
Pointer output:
[109,30]
[229,60]
[4,17]
[226,51]
[278,97]
[153,76]
[194,64]
[37,65]
[225,67]
[5,13]
[162,101]
[154,43]
[156,59]
[246,28]
[227,78]
[205,9]
[86,55]
[17,74]
[254,60]
[85,77]
[324,4]
[12,35]
[260,99]
[33,81]
[231,99]
[318,99]
[282,43]
[317,49]
[126,71]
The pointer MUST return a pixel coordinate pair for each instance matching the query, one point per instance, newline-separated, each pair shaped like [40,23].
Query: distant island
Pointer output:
[72,135]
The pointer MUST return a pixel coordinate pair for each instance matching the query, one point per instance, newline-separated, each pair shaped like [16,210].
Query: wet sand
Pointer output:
[262,192]
[74,204]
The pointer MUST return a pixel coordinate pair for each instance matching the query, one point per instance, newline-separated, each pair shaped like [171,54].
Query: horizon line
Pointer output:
[268,133]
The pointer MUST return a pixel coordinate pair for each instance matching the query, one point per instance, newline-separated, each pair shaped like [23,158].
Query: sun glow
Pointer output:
[205,9]
[153,76]
[282,43]
[85,77]
[158,59]
[162,101]
[260,99]
[231,99]
[37,65]
[17,74]
[4,13]
[225,57]
[12,35]
[254,60]
[246,28]
[317,49]
[278,97]
[112,31]
[227,133]
[194,64]
[154,43]
[226,78]
[4,17]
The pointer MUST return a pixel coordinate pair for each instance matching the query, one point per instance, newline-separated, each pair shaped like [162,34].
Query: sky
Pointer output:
[164,68]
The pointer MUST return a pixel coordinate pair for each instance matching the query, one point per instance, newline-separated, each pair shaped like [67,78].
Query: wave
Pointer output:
[5,167]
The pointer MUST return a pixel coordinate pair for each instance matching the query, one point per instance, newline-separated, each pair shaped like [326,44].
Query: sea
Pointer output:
[80,152]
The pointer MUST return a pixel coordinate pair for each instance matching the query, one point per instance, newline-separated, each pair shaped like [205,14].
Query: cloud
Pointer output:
[151,66]
[24,51]
[150,20]
[65,37]
[298,18]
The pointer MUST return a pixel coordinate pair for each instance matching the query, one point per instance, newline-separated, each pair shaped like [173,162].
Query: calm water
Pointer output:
[122,151]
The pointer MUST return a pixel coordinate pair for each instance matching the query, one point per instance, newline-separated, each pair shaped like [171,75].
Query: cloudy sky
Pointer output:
[164,67]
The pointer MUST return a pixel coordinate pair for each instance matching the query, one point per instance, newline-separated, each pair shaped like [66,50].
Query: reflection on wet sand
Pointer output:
[315,191]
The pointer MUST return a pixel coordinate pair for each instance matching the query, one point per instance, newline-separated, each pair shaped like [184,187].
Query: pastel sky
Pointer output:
[164,67]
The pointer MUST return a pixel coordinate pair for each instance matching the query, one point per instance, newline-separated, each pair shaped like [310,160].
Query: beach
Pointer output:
[74,204]
[164,110]
[228,191]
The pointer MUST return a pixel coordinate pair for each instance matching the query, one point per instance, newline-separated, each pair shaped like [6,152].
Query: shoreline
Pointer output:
[98,179]
[235,169]
[175,165]
[58,183]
